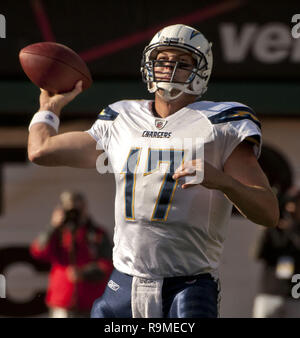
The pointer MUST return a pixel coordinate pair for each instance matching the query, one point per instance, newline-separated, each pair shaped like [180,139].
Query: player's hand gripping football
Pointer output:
[55,102]
[200,172]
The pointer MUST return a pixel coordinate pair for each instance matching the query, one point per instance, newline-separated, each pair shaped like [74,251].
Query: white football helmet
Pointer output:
[184,38]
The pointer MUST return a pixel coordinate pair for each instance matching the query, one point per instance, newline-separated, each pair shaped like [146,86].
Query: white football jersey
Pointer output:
[162,230]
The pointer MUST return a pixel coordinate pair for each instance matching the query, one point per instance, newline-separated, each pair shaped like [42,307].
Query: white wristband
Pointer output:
[45,116]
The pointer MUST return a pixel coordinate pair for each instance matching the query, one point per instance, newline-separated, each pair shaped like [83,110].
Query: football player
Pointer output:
[180,164]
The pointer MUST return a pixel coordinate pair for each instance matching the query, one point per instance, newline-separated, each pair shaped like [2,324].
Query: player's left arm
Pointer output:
[244,183]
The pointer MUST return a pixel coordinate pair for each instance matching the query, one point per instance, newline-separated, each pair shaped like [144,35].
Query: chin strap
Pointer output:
[166,91]
[166,95]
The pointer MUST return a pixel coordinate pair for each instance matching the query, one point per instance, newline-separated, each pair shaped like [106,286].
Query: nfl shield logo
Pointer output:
[159,124]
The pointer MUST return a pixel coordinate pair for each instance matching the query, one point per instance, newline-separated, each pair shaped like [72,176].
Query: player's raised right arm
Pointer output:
[74,149]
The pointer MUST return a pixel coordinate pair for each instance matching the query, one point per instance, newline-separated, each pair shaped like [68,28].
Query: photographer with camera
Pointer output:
[80,256]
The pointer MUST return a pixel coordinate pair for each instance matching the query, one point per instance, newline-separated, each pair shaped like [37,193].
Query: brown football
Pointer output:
[54,67]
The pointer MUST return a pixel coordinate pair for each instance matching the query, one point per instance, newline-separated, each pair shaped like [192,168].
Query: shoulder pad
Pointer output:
[108,114]
[235,114]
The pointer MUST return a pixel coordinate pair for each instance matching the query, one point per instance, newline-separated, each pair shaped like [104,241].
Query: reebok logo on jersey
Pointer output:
[157,134]
[114,286]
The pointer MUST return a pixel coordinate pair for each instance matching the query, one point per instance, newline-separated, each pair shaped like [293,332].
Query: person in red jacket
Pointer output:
[80,256]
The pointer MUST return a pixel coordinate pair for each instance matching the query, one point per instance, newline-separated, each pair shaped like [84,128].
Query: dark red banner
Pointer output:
[251,39]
